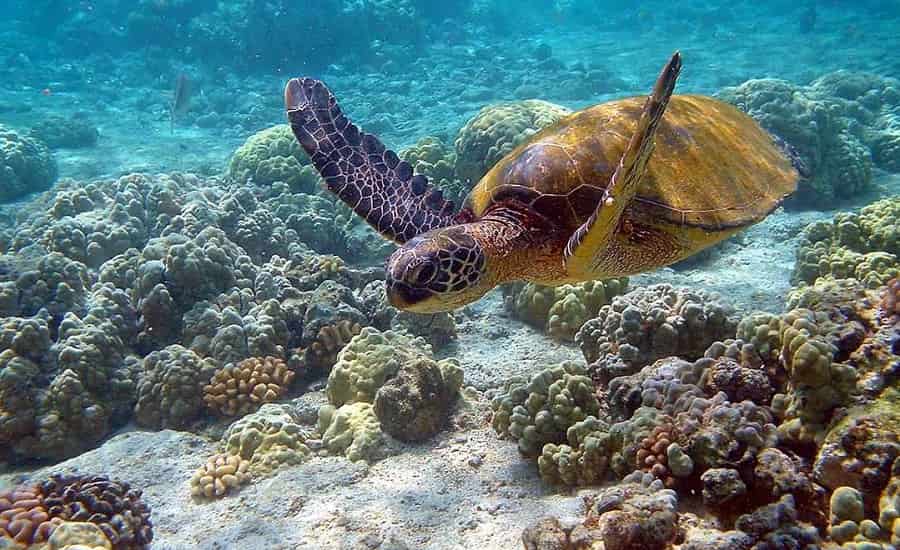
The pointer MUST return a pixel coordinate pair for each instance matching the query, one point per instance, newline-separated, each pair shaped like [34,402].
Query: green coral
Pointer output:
[269,438]
[863,246]
[26,165]
[542,409]
[584,460]
[352,430]
[385,379]
[367,362]
[273,155]
[496,130]
[561,310]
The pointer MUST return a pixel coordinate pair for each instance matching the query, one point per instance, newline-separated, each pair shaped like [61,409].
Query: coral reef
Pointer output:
[651,323]
[385,382]
[863,246]
[541,410]
[33,513]
[496,130]
[435,160]
[221,474]
[26,165]
[274,155]
[65,132]
[239,389]
[561,310]
[268,439]
[170,391]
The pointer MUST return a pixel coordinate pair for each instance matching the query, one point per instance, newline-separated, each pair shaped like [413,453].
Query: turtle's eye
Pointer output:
[423,273]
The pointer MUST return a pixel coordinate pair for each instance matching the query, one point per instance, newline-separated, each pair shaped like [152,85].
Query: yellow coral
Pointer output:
[268,439]
[77,535]
[240,389]
[221,474]
[273,155]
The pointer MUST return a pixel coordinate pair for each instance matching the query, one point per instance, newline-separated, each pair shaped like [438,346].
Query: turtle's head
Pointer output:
[437,271]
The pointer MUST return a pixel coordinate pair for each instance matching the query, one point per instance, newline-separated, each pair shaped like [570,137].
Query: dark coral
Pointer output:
[29,514]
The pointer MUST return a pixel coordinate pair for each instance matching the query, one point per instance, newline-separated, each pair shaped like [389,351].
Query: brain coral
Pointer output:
[496,130]
[26,165]
[273,155]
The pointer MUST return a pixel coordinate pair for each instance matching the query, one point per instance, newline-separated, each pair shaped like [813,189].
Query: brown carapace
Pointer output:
[616,189]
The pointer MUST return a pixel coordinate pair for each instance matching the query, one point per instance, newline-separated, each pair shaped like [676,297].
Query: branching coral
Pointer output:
[238,389]
[221,474]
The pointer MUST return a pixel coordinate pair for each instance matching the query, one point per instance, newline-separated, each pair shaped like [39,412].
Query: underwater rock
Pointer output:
[496,130]
[26,165]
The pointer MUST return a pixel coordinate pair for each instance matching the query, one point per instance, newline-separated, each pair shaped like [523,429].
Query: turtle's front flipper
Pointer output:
[356,167]
[587,246]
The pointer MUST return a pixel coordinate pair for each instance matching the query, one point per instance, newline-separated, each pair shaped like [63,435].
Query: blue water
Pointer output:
[136,256]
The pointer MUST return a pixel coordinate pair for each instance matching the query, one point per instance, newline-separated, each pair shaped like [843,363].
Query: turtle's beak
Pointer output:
[403,296]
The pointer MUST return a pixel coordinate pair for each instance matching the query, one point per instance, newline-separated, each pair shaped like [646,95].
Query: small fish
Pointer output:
[46,92]
[181,98]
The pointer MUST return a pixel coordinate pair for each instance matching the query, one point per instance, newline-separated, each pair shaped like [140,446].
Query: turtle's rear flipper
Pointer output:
[588,245]
[357,168]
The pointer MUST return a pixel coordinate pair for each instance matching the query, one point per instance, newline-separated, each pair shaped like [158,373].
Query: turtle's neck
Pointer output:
[520,245]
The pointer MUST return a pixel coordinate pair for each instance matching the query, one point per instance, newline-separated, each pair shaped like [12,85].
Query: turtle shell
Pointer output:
[713,167]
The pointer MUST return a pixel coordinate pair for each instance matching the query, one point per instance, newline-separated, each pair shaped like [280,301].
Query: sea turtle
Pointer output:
[589,197]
